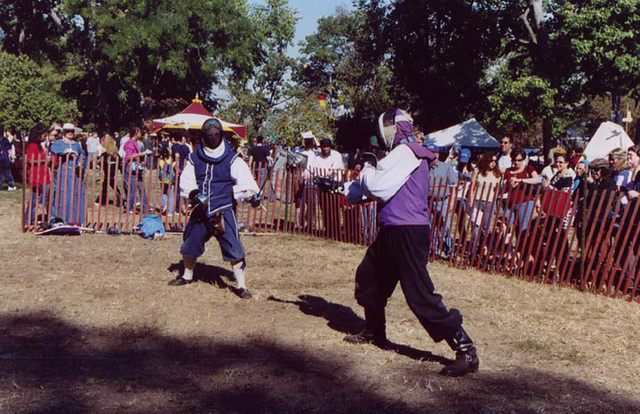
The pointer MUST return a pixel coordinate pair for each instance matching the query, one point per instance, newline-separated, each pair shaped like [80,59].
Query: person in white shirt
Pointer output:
[93,144]
[328,158]
[306,193]
[506,145]
[329,163]
[214,178]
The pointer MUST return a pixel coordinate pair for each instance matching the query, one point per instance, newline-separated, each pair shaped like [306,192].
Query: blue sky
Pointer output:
[309,11]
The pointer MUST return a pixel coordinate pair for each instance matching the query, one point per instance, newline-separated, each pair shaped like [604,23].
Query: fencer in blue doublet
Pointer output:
[215,179]
[213,176]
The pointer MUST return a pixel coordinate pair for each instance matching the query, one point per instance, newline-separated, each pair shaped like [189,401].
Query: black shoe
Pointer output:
[179,281]
[367,337]
[244,293]
[466,362]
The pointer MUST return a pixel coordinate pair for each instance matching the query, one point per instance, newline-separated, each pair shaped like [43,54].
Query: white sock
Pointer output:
[188,274]
[238,273]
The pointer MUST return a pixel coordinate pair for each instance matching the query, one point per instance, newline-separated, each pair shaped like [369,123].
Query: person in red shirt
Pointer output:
[38,174]
[521,180]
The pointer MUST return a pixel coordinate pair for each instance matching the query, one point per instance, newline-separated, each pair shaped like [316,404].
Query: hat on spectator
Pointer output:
[433,148]
[599,163]
[68,127]
[308,135]
[465,155]
[325,142]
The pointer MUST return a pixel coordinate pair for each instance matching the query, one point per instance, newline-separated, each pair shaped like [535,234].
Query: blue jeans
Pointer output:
[440,219]
[522,213]
[39,197]
[5,176]
[135,187]
[481,218]
[168,193]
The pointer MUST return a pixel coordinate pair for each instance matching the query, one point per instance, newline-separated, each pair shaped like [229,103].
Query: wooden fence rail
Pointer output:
[586,241]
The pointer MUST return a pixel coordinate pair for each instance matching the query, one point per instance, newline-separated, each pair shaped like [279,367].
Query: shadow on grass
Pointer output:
[343,319]
[203,272]
[50,366]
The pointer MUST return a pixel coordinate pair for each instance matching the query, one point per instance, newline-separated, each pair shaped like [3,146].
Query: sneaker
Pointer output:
[367,337]
[179,281]
[11,188]
[466,362]
[244,293]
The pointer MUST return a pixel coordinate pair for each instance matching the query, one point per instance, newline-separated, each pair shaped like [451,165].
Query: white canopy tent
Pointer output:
[469,134]
[608,137]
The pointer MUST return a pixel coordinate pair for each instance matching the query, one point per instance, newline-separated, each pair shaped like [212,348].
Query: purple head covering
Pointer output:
[394,127]
[404,127]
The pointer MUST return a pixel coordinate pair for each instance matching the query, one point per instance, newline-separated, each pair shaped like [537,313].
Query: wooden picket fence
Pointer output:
[584,241]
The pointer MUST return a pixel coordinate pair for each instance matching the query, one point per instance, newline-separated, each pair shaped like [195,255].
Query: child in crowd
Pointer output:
[167,176]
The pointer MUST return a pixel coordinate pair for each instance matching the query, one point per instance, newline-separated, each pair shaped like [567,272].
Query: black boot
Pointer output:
[467,360]
[374,331]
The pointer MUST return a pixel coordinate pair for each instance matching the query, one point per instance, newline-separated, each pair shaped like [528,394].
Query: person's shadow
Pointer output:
[214,275]
[343,319]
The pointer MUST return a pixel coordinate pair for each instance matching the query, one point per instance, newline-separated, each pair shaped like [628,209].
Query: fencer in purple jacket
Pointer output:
[400,185]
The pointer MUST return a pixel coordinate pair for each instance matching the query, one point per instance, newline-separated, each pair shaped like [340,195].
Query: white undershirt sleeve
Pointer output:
[188,179]
[393,171]
[246,185]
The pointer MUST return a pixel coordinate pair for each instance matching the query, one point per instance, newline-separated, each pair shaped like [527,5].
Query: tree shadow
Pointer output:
[48,365]
[343,319]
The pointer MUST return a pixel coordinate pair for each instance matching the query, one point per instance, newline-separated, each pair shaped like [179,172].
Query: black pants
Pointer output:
[104,191]
[400,253]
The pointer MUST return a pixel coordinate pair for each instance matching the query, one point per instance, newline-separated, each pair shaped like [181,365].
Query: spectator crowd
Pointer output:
[490,206]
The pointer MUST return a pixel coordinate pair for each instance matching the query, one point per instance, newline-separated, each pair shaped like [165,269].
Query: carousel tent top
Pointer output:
[192,117]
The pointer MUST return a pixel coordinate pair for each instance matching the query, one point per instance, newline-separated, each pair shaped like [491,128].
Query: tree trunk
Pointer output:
[539,49]
[547,138]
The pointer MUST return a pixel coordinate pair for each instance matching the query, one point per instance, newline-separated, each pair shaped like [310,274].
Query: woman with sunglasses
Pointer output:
[522,180]
[562,178]
[555,203]
[484,185]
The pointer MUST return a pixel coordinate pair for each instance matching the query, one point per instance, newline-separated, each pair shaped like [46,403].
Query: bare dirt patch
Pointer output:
[88,324]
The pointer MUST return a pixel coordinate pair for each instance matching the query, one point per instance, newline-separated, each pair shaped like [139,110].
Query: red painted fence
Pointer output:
[587,241]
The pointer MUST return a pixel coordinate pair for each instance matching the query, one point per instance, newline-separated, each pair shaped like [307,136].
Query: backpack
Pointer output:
[151,226]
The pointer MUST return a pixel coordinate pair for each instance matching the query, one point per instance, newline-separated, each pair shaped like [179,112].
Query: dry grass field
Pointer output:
[88,324]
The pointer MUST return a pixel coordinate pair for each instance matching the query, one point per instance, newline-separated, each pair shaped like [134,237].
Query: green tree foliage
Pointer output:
[345,61]
[513,65]
[30,93]
[32,27]
[562,54]
[440,51]
[297,116]
[342,61]
[134,53]
[255,93]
